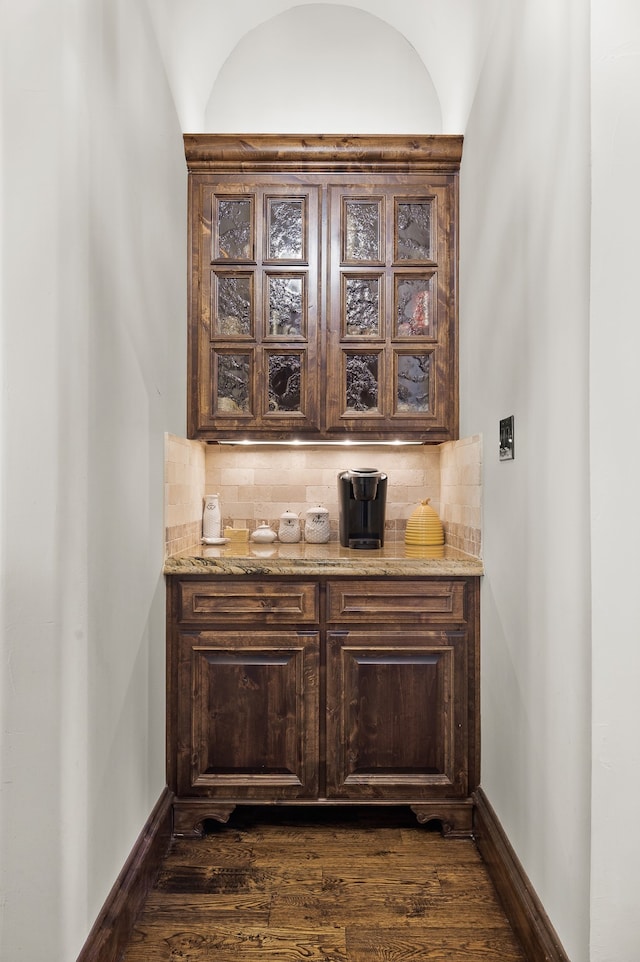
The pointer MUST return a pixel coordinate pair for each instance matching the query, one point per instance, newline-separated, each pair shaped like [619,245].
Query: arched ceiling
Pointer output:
[196,37]
[324,67]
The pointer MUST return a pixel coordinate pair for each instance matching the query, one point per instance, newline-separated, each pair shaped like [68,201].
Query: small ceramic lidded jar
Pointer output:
[289,529]
[316,526]
[264,534]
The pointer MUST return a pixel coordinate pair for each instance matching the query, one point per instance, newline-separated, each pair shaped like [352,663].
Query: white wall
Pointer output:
[524,282]
[615,468]
[93,294]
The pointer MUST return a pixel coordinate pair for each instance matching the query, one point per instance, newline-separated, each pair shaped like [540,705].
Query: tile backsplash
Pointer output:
[184,478]
[461,494]
[257,484]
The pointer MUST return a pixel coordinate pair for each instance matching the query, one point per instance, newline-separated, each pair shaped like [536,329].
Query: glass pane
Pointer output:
[285,230]
[362,382]
[233,384]
[232,313]
[285,306]
[412,389]
[284,382]
[362,231]
[413,242]
[234,229]
[414,307]
[362,306]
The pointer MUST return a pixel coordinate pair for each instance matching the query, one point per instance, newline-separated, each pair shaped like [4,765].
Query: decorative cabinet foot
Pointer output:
[189,817]
[456,818]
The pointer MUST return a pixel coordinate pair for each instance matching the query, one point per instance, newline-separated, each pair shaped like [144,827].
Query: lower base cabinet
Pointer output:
[323,692]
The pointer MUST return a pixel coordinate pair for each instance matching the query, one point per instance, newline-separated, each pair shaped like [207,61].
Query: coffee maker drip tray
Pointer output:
[370,543]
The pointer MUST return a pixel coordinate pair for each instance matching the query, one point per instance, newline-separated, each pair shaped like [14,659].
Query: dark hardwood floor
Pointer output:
[336,885]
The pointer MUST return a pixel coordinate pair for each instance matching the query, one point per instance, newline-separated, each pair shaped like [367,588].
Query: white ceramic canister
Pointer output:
[289,529]
[316,527]
[211,518]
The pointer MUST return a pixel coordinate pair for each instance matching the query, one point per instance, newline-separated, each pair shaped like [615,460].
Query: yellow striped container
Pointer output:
[424,527]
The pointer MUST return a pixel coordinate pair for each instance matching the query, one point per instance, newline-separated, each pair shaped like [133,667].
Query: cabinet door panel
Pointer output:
[396,714]
[248,717]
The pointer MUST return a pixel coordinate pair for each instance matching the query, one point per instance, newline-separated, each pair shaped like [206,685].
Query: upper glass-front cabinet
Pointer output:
[323,287]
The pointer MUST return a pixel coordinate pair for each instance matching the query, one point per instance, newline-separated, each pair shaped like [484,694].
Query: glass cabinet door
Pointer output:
[388,326]
[258,307]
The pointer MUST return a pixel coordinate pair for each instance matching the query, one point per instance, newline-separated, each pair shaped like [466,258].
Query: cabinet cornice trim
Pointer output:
[323,152]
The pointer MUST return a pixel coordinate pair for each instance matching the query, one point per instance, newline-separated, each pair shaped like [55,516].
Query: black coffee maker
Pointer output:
[362,497]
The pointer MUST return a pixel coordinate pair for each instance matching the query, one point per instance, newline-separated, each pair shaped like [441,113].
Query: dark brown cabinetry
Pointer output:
[323,691]
[323,275]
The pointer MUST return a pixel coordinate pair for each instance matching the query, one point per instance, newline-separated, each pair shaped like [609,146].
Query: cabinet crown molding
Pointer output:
[331,152]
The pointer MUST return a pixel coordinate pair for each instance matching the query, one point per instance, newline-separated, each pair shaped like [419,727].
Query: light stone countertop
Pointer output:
[395,558]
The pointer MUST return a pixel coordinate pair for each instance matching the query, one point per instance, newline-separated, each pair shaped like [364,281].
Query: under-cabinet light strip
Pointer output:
[339,444]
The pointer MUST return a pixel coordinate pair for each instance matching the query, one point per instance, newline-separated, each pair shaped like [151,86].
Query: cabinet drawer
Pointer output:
[270,603]
[412,602]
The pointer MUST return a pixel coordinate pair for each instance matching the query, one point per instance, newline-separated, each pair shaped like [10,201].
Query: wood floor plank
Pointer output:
[386,909]
[459,851]
[475,884]
[226,943]
[203,852]
[381,874]
[357,867]
[226,879]
[463,945]
[254,908]
[317,845]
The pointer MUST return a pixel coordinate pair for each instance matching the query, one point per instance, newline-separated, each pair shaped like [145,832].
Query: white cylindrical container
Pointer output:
[211,518]
[316,526]
[289,528]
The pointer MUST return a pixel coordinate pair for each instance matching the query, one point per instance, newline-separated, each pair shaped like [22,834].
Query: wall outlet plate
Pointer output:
[507,451]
